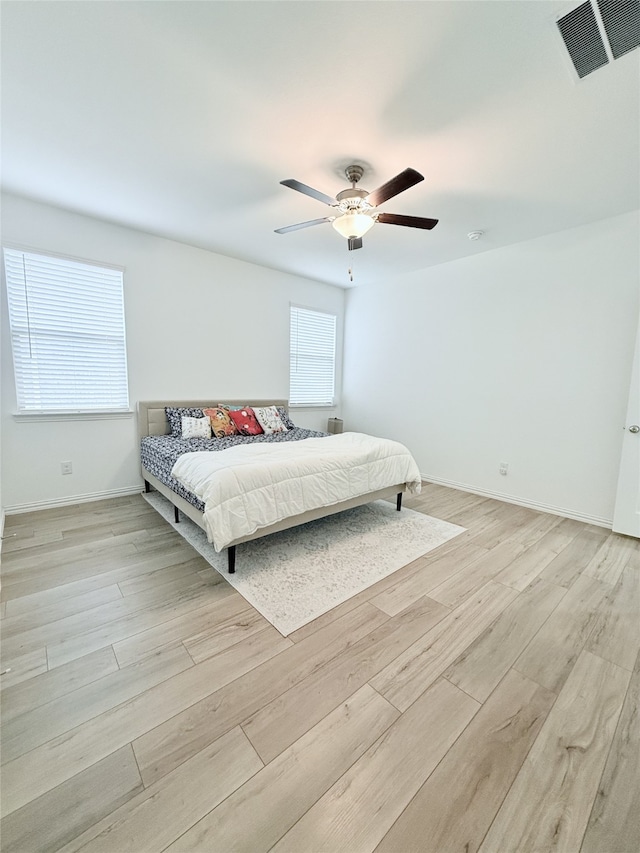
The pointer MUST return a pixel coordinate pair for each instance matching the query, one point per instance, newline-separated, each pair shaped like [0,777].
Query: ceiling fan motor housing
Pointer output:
[352,192]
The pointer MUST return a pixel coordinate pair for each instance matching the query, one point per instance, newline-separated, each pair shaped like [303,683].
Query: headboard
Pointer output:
[152,419]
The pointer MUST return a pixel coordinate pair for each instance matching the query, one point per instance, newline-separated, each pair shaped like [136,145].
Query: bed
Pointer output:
[161,451]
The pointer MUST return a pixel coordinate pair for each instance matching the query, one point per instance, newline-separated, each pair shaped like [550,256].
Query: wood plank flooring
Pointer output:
[483,698]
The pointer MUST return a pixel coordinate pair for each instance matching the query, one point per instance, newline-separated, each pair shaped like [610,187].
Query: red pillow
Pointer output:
[246,421]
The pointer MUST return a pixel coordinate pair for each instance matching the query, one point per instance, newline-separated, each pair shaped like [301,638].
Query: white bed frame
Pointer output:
[152,420]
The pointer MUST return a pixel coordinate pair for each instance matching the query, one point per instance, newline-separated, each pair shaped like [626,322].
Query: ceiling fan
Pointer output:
[356,209]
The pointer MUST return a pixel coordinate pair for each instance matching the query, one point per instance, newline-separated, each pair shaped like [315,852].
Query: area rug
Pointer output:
[294,576]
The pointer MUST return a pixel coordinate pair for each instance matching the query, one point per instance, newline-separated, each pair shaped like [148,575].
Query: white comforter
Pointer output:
[248,487]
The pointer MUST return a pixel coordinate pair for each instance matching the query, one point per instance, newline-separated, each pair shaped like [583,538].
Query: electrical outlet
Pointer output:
[503,469]
[66,467]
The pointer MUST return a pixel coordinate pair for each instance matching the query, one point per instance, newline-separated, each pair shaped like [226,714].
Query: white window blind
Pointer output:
[312,358]
[67,334]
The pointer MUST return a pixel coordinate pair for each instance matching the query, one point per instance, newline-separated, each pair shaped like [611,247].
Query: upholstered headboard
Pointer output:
[152,419]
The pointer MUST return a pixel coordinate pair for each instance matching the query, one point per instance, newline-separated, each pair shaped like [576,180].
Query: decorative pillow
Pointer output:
[246,422]
[221,423]
[284,417]
[175,415]
[230,408]
[269,419]
[196,427]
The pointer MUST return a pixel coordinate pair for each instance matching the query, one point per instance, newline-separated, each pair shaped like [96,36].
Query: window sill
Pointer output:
[44,417]
[313,405]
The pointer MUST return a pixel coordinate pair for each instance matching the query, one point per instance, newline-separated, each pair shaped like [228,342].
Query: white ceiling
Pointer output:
[180,119]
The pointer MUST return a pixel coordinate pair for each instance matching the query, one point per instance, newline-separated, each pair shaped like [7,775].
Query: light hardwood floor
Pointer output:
[483,698]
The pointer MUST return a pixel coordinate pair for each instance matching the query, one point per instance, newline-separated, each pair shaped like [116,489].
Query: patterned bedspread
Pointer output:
[159,453]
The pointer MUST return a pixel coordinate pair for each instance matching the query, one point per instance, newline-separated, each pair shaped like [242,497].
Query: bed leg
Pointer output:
[231,559]
[176,514]
[399,501]
[147,487]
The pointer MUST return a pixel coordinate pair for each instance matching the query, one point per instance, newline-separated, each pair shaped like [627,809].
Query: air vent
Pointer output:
[598,31]
[621,19]
[581,34]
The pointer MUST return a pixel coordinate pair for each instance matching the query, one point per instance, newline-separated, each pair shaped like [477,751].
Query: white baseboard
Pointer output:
[552,510]
[73,499]
[463,487]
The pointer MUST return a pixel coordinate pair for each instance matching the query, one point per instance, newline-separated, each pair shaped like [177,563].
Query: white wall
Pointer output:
[198,324]
[521,355]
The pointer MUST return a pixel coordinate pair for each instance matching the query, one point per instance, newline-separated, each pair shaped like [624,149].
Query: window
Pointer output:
[313,358]
[67,334]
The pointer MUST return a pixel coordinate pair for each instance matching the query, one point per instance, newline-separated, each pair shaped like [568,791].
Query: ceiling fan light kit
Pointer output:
[353,224]
[357,209]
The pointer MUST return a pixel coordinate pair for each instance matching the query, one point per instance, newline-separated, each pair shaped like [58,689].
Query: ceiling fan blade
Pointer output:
[399,184]
[355,243]
[410,221]
[303,188]
[300,225]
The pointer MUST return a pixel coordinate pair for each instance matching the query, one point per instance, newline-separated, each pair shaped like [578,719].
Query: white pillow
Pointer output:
[269,419]
[196,428]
